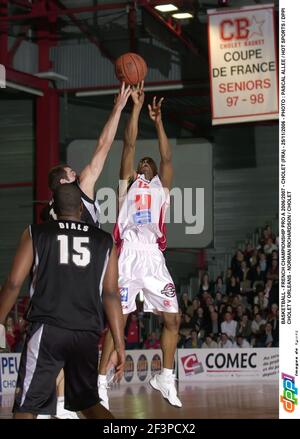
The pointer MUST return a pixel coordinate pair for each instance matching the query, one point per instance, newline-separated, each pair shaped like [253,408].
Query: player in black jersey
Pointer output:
[86,181]
[63,174]
[74,279]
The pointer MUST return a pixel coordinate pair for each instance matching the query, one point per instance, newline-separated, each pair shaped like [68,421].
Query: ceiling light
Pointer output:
[166,8]
[182,15]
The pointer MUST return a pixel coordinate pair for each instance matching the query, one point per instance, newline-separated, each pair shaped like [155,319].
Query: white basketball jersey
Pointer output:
[142,213]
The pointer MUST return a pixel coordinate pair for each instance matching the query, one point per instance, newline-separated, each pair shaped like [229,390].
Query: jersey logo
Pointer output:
[124,294]
[143,206]
[169,290]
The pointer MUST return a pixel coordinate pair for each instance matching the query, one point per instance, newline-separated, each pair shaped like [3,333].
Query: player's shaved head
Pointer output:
[67,200]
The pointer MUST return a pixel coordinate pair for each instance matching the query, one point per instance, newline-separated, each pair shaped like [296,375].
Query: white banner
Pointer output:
[228,364]
[9,365]
[243,64]
[289,210]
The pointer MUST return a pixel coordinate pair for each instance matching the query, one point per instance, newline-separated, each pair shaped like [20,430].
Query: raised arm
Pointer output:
[92,171]
[166,167]
[127,170]
[112,306]
[20,269]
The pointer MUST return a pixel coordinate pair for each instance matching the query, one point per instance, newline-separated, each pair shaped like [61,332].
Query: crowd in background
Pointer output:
[239,309]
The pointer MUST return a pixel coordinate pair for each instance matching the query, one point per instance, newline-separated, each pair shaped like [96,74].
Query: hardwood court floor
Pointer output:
[252,400]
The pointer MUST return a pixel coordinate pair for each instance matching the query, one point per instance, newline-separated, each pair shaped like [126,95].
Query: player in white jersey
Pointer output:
[140,236]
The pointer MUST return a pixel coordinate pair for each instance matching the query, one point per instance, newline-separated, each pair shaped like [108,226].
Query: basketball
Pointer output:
[130,68]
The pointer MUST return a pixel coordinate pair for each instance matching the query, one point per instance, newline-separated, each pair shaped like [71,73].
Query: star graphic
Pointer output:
[255,27]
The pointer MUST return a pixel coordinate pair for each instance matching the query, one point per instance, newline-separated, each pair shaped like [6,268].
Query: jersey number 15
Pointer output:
[81,255]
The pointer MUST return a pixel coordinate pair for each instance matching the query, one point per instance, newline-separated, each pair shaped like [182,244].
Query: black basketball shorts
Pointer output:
[47,350]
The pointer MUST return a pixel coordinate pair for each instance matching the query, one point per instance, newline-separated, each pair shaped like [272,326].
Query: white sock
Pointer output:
[167,372]
[61,400]
[102,379]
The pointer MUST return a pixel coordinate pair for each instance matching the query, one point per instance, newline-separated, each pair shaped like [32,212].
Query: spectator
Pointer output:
[219,286]
[184,302]
[192,341]
[236,261]
[241,342]
[233,287]
[273,272]
[269,246]
[261,300]
[266,338]
[218,300]
[199,322]
[11,339]
[229,326]
[257,277]
[213,324]
[257,323]
[205,286]
[192,309]
[224,342]
[133,332]
[263,263]
[152,341]
[273,319]
[244,327]
[209,342]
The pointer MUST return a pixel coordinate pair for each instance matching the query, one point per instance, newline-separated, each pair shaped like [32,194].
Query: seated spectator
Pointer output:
[209,342]
[244,327]
[229,273]
[265,339]
[186,323]
[224,342]
[233,287]
[236,261]
[243,272]
[261,300]
[241,342]
[184,302]
[273,319]
[199,322]
[21,328]
[262,261]
[273,272]
[218,301]
[248,253]
[192,309]
[269,246]
[152,341]
[257,323]
[133,332]
[257,277]
[205,286]
[213,323]
[240,311]
[192,341]
[219,286]
[229,326]
[11,338]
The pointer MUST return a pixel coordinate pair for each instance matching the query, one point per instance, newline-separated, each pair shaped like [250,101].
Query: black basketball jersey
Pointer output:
[70,263]
[89,213]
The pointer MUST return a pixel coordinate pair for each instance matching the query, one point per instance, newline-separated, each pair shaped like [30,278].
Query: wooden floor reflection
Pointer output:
[254,400]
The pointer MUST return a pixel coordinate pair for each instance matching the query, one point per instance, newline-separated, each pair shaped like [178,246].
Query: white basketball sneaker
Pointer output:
[43,417]
[102,391]
[62,413]
[166,385]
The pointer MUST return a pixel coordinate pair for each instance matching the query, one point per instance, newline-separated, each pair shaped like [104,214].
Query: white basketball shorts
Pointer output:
[143,267]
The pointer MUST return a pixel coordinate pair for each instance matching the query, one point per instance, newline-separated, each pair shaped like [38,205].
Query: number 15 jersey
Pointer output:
[70,260]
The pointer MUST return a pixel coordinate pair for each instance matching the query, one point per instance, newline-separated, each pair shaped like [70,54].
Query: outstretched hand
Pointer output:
[155,110]
[122,98]
[138,95]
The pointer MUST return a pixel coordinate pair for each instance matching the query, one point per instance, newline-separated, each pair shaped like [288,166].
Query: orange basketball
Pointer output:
[130,68]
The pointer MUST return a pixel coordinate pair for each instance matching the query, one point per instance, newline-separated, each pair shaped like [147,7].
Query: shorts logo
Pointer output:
[124,294]
[169,290]
[191,365]
[167,303]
